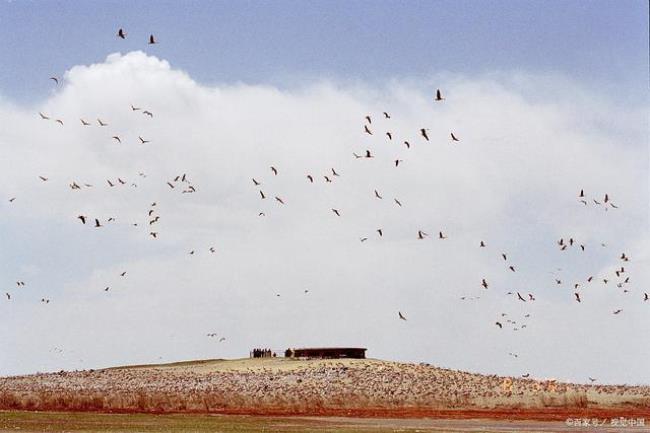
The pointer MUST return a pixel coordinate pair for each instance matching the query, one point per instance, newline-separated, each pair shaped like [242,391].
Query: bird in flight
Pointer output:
[279,199]
[617,311]
[577,295]
[421,234]
[366,129]
[97,224]
[423,131]
[121,34]
[336,211]
[123,274]
[439,95]
[84,123]
[44,179]
[116,138]
[148,113]
[453,137]
[390,135]
[82,218]
[377,194]
[441,235]
[401,316]
[520,297]
[397,202]
[482,244]
[56,80]
[311,178]
[256,182]
[143,141]
[334,173]
[101,123]
[645,297]
[499,324]
[386,115]
[368,119]
[152,40]
[274,170]
[381,232]
[484,283]
[43,116]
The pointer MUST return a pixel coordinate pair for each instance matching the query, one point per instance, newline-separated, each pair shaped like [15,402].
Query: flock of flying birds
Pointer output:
[182,183]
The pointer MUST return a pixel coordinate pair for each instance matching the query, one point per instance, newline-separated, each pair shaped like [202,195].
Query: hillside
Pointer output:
[315,387]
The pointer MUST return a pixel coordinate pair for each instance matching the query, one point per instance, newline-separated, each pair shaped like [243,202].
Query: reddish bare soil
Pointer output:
[352,388]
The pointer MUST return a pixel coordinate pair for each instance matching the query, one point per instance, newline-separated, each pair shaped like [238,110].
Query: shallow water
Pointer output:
[32,422]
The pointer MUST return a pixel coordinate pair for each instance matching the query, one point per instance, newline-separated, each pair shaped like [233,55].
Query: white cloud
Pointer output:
[528,145]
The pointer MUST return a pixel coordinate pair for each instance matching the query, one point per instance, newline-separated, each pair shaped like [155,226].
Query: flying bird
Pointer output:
[441,235]
[577,295]
[336,212]
[97,224]
[421,234]
[82,218]
[377,195]
[484,283]
[390,135]
[482,244]
[439,95]
[143,141]
[84,123]
[311,178]
[56,80]
[116,138]
[256,182]
[43,116]
[401,316]
[368,119]
[520,297]
[366,129]
[44,179]
[148,113]
[386,115]
[397,202]
[279,199]
[381,232]
[121,34]
[101,123]
[274,170]
[453,137]
[499,324]
[424,134]
[152,40]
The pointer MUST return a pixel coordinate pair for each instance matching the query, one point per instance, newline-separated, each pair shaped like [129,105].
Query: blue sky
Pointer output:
[284,42]
[548,98]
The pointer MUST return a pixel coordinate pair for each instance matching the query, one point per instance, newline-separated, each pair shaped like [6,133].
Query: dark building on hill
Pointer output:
[326,352]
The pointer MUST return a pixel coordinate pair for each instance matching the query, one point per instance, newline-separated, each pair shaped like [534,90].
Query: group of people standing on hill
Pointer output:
[262,353]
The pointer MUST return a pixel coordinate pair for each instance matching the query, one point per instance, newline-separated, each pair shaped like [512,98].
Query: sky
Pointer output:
[546,102]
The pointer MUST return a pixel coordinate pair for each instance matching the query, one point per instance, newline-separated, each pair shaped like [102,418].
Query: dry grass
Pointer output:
[300,387]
